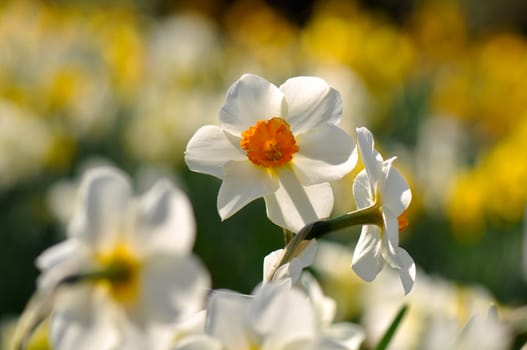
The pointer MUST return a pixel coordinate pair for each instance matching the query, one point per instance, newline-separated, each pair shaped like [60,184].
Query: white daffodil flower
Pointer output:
[383,188]
[279,143]
[275,318]
[133,256]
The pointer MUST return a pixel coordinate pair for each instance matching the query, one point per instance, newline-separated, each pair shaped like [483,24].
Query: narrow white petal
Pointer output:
[293,206]
[248,100]
[370,157]
[367,259]
[227,319]
[165,220]
[172,287]
[326,153]
[310,102]
[406,269]
[391,227]
[362,190]
[243,183]
[104,199]
[209,149]
[396,193]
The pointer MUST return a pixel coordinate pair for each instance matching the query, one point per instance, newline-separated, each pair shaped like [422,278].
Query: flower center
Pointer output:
[403,221]
[269,143]
[121,276]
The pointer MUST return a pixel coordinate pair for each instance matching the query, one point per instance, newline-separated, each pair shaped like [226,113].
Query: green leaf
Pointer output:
[387,337]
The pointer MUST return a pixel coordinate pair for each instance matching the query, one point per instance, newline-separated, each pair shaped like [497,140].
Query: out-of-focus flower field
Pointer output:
[442,84]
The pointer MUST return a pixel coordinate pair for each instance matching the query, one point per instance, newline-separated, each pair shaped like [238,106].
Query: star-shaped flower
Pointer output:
[279,143]
[381,187]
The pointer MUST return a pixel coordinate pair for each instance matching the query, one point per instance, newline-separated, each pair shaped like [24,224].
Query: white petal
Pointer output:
[248,100]
[310,103]
[367,258]
[290,272]
[227,319]
[391,227]
[370,157]
[105,194]
[243,183]
[270,261]
[406,269]
[61,260]
[325,154]
[281,315]
[362,190]
[325,307]
[83,321]
[396,193]
[293,206]
[209,149]
[347,334]
[165,220]
[172,287]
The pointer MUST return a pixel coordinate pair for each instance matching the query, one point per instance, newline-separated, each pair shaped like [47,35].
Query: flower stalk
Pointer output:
[371,215]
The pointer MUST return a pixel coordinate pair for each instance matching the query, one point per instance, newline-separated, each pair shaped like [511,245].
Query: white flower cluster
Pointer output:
[126,277]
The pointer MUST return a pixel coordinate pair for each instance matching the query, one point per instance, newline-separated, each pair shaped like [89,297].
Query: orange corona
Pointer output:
[403,221]
[269,143]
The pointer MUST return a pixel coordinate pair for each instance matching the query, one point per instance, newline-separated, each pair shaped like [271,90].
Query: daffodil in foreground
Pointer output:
[276,317]
[131,261]
[384,190]
[279,143]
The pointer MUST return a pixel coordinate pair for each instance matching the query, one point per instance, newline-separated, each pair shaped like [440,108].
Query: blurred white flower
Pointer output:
[380,185]
[282,144]
[134,260]
[439,156]
[25,142]
[276,317]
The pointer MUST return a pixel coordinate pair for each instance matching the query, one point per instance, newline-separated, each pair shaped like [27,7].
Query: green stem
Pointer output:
[371,215]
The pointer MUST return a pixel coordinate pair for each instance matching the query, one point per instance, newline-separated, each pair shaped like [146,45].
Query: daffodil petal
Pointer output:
[310,103]
[83,321]
[105,194]
[61,260]
[172,287]
[248,100]
[391,227]
[243,183]
[327,153]
[396,193]
[371,159]
[234,306]
[281,315]
[209,149]
[165,220]
[293,206]
[362,191]
[367,260]
[406,267]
